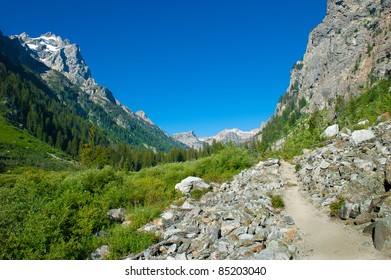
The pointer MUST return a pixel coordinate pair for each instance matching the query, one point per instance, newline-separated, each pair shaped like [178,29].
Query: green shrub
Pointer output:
[126,240]
[277,201]
[335,206]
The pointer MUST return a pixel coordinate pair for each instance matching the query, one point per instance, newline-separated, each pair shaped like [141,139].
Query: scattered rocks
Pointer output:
[237,221]
[234,221]
[355,170]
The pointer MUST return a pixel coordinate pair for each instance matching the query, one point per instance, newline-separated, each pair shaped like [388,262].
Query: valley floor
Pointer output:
[323,238]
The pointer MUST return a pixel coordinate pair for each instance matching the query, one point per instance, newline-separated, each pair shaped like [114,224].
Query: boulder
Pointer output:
[344,212]
[191,183]
[364,218]
[331,131]
[360,136]
[387,182]
[116,215]
[382,234]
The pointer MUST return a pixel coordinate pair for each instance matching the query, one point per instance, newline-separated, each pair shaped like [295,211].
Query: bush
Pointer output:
[335,206]
[126,240]
[277,201]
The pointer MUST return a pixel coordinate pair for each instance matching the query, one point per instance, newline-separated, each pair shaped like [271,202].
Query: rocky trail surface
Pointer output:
[323,238]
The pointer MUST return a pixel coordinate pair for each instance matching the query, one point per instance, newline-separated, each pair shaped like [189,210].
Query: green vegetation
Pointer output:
[335,206]
[62,215]
[303,131]
[368,106]
[277,201]
[298,65]
[18,148]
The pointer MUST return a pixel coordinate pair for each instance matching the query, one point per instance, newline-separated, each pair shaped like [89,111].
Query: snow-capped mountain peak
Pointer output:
[58,54]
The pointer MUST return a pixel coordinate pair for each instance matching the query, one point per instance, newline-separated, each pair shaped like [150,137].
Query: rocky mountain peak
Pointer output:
[350,48]
[143,116]
[189,138]
[234,135]
[58,54]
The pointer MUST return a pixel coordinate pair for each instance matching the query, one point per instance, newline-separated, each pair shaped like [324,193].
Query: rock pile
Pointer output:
[354,170]
[234,221]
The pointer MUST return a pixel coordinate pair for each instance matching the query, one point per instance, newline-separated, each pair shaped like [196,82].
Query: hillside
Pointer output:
[57,67]
[19,148]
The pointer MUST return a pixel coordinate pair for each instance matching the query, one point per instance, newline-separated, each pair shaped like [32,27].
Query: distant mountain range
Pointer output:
[235,136]
[59,66]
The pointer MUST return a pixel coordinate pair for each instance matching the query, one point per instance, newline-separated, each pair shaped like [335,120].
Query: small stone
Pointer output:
[167,215]
[272,161]
[288,220]
[324,164]
[187,206]
[101,253]
[228,226]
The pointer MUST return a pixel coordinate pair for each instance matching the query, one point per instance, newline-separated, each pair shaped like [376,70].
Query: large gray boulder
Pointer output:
[360,136]
[331,131]
[191,183]
[382,234]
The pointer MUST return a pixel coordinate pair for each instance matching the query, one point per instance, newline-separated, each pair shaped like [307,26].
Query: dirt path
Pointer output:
[323,238]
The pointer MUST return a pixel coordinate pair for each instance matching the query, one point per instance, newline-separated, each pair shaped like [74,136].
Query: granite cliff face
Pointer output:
[350,49]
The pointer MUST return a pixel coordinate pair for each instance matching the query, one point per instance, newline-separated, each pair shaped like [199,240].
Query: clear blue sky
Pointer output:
[202,65]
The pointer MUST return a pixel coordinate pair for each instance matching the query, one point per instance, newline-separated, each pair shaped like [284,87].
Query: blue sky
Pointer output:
[202,65]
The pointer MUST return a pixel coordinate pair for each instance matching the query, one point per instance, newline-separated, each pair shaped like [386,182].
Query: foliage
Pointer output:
[304,131]
[62,215]
[375,101]
[297,167]
[336,205]
[277,201]
[19,148]
[126,239]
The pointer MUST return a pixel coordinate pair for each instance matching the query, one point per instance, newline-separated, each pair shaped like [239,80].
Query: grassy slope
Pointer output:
[19,149]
